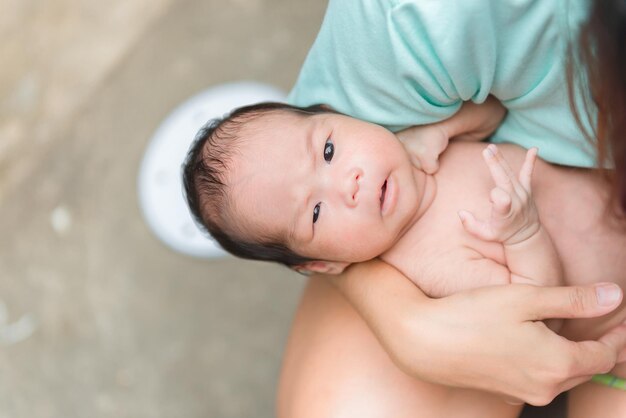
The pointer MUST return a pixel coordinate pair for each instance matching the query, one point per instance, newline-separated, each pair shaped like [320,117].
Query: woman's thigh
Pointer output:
[335,367]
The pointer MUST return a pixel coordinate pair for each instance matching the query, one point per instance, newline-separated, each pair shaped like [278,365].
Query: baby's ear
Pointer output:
[322,267]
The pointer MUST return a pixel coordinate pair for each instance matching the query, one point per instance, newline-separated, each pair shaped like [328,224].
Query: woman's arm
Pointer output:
[490,338]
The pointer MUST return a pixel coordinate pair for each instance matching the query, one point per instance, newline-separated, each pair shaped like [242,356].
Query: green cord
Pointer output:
[610,380]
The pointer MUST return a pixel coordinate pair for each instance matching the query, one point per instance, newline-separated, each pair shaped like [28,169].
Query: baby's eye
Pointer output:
[316,212]
[329,150]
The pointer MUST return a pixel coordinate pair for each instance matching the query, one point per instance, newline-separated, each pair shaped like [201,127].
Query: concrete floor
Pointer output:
[98,318]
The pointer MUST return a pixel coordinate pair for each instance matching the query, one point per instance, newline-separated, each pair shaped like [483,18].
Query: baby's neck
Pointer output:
[428,184]
[427,187]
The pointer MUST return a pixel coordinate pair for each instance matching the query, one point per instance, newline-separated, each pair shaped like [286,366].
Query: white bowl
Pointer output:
[160,182]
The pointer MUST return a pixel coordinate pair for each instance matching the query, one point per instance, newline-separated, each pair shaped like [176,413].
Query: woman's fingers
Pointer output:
[596,357]
[615,339]
[546,363]
[573,301]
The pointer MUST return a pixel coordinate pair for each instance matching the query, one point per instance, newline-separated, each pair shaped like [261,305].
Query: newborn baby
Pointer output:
[317,191]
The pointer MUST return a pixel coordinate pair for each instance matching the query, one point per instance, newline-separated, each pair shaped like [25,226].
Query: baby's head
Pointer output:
[305,187]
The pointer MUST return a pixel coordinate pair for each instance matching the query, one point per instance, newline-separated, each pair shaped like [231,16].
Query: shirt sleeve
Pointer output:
[372,60]
[400,63]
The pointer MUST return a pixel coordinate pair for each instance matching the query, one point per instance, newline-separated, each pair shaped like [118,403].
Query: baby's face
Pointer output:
[333,187]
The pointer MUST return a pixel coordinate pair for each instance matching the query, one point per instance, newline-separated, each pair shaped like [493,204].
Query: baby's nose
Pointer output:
[351,190]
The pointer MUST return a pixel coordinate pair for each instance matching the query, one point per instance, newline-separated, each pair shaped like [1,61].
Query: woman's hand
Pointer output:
[490,338]
[493,339]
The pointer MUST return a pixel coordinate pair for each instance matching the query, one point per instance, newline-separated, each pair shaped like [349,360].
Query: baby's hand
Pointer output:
[424,144]
[514,217]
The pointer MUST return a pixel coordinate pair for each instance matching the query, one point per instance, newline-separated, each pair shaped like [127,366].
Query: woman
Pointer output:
[348,334]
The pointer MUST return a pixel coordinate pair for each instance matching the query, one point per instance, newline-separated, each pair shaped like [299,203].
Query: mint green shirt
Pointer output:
[400,63]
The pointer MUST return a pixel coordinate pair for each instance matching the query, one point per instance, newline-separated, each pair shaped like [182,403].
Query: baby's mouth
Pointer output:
[383,190]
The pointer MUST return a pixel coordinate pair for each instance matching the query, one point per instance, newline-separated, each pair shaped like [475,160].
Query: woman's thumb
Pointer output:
[577,301]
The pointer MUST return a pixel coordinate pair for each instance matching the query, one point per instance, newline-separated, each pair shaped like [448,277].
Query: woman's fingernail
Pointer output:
[608,294]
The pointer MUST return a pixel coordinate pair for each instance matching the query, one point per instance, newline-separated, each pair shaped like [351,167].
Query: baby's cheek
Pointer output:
[370,243]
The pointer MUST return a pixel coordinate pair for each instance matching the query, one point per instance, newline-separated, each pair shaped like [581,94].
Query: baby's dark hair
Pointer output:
[204,171]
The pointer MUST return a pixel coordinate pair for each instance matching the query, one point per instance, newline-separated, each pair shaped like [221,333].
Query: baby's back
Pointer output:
[571,205]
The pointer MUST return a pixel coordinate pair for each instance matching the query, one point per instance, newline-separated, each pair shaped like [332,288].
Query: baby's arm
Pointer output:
[530,255]
[473,122]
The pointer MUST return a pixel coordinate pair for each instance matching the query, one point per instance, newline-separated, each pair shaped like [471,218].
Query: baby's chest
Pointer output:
[437,253]
[442,230]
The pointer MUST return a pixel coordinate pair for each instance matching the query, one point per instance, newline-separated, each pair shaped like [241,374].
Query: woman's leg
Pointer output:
[335,367]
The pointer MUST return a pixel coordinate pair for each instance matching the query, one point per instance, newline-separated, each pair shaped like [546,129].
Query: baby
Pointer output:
[317,191]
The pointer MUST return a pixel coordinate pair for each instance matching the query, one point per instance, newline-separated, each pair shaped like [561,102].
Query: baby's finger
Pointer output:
[416,161]
[477,228]
[501,201]
[501,160]
[430,165]
[526,172]
[500,171]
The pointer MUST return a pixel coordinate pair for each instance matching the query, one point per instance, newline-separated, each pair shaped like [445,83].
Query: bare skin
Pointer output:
[570,206]
[350,380]
[347,183]
[336,365]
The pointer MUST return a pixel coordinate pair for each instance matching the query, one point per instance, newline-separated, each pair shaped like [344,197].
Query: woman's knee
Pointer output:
[334,367]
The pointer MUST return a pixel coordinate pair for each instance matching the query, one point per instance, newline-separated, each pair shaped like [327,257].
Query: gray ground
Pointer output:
[98,318]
